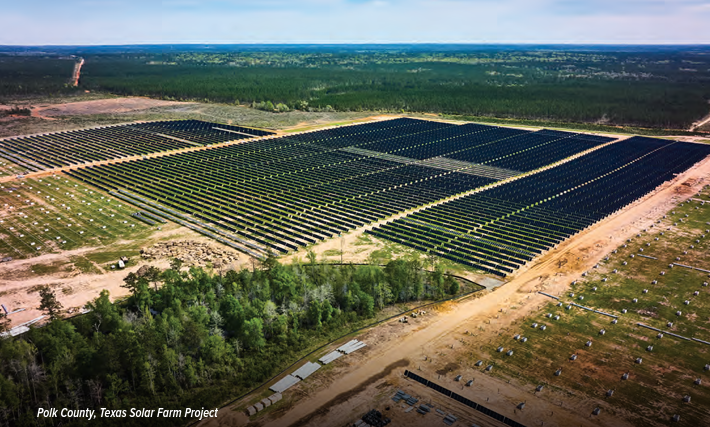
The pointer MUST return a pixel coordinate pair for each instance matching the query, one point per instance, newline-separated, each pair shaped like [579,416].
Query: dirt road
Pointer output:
[705,120]
[77,72]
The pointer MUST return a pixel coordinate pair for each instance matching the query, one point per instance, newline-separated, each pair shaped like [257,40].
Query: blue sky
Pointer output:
[83,22]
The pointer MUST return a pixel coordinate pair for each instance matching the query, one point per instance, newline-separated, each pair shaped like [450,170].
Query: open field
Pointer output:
[86,264]
[63,232]
[41,216]
[8,168]
[63,114]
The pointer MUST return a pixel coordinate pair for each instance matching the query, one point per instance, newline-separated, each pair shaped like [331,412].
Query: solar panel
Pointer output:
[284,384]
[306,370]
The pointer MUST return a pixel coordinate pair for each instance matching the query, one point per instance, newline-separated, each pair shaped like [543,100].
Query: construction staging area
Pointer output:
[603,242]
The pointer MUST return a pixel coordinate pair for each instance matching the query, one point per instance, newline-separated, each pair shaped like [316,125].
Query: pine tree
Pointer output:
[49,303]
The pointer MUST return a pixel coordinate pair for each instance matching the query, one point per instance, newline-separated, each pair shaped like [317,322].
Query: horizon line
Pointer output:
[363,44]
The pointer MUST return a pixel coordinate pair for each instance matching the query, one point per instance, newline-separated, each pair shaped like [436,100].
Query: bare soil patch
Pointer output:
[102,106]
[75,289]
[345,396]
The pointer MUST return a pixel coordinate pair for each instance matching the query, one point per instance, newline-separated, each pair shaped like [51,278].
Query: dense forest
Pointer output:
[654,89]
[29,75]
[194,338]
[662,88]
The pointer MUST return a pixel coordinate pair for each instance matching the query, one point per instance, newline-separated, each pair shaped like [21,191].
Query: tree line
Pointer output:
[28,75]
[665,88]
[624,91]
[193,337]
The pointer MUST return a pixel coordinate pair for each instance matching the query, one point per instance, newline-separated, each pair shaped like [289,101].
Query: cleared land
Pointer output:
[102,106]
[42,216]
[97,109]
[672,299]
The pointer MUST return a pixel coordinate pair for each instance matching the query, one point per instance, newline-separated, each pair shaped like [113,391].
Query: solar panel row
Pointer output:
[471,404]
[500,229]
[284,193]
[59,149]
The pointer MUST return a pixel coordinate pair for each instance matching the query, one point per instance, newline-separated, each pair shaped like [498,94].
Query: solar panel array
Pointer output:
[284,384]
[280,194]
[205,133]
[41,152]
[306,370]
[284,193]
[466,401]
[500,229]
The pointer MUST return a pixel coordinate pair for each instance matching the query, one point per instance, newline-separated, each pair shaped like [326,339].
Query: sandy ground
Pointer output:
[49,111]
[74,289]
[76,74]
[72,292]
[47,116]
[101,106]
[319,408]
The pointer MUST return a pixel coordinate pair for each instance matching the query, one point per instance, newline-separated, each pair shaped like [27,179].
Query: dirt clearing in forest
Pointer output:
[102,106]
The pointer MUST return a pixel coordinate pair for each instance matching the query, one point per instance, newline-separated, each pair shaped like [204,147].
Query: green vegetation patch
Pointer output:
[191,338]
[601,86]
[585,127]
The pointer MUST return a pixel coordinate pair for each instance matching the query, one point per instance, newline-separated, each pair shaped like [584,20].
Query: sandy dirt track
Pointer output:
[76,74]
[581,252]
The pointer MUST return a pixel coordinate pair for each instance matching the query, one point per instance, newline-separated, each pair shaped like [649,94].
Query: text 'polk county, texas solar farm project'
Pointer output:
[489,197]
